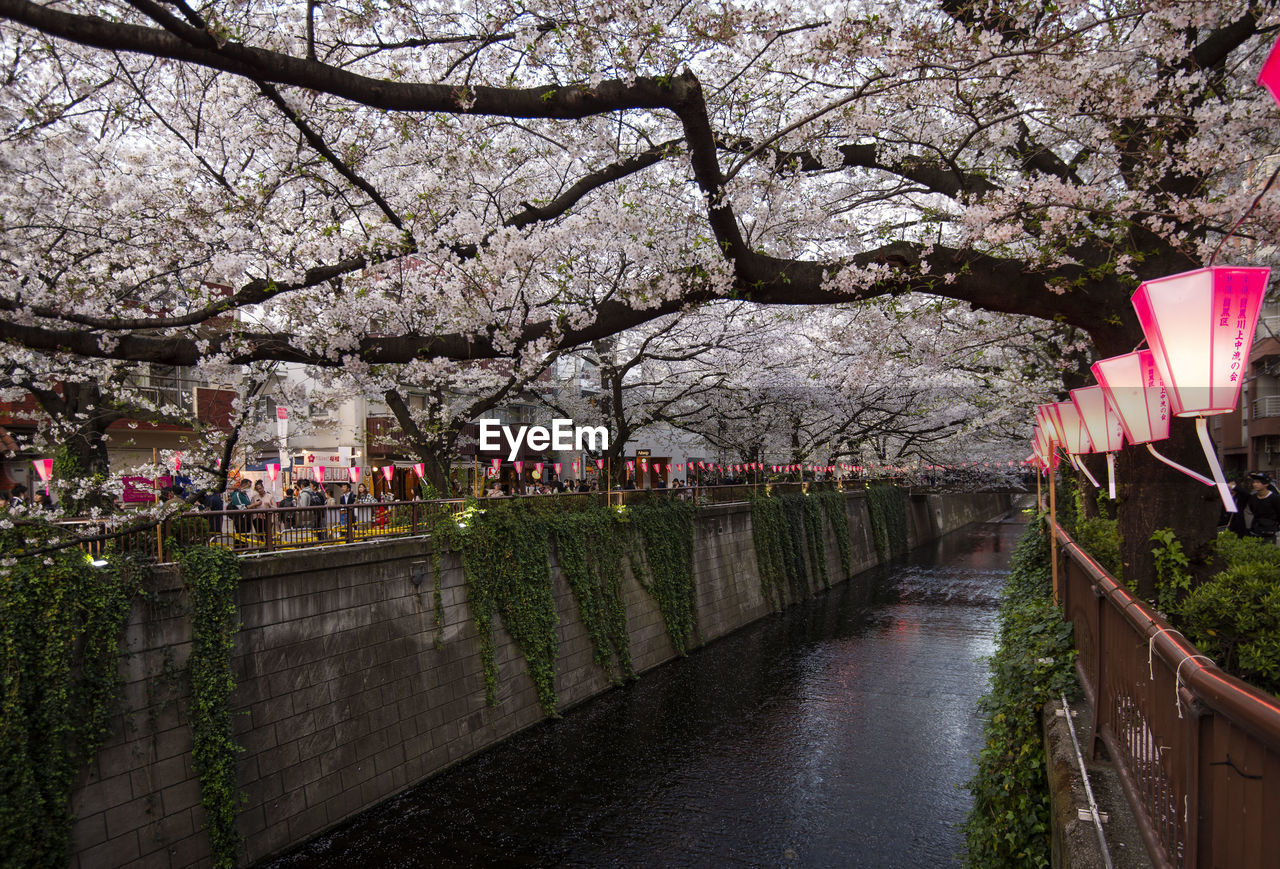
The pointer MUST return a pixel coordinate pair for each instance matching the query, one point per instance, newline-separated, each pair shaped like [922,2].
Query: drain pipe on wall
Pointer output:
[1088,790]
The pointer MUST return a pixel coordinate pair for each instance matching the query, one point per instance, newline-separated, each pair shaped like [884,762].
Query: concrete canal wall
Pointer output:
[344,698]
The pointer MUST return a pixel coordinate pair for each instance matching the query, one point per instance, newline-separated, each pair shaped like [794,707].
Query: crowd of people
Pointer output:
[579,487]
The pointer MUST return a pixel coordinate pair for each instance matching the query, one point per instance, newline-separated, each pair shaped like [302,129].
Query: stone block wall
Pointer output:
[345,697]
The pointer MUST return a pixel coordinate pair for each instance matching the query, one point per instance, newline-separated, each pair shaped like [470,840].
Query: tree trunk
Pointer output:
[1152,495]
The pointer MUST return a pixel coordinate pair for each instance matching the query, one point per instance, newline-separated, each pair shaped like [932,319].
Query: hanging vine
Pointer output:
[589,548]
[59,659]
[663,551]
[834,505]
[437,595]
[767,529]
[504,560]
[816,543]
[887,507]
[797,573]
[211,577]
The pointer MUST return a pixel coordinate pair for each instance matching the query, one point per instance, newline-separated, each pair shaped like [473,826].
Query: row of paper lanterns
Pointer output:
[353,472]
[1199,326]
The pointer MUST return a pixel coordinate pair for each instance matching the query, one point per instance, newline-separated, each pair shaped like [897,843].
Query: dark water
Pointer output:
[839,733]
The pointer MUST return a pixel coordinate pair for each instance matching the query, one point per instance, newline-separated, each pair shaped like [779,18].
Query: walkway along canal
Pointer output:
[838,733]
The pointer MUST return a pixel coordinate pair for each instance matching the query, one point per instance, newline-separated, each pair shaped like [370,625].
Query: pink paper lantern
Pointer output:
[1100,419]
[44,469]
[273,470]
[575,469]
[1269,78]
[558,466]
[320,473]
[519,467]
[420,469]
[1066,418]
[1103,425]
[599,464]
[388,471]
[353,474]
[1136,392]
[1199,326]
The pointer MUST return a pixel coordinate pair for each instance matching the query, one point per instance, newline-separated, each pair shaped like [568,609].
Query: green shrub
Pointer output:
[1235,551]
[1235,619]
[1009,823]
[1100,537]
[1173,574]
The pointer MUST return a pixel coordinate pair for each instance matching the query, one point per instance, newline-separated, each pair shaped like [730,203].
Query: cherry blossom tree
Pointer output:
[570,171]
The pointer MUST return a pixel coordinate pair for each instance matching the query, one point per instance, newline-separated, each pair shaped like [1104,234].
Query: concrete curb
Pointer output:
[1075,841]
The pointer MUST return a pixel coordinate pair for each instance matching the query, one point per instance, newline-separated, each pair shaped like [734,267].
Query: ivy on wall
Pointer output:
[663,543]
[211,577]
[784,529]
[816,543]
[1009,824]
[590,547]
[768,526]
[835,507]
[887,507]
[437,594]
[504,560]
[504,549]
[793,545]
[59,682]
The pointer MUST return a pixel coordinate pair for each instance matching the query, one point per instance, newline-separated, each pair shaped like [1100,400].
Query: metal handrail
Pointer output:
[1167,786]
[256,530]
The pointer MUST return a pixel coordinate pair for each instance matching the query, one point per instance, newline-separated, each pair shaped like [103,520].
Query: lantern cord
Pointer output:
[1079,463]
[1202,429]
[1181,468]
[1111,474]
[1244,216]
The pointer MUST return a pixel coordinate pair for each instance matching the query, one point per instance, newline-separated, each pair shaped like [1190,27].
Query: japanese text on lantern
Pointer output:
[1164,399]
[1242,321]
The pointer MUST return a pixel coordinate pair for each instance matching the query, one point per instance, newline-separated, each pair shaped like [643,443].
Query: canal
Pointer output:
[839,733]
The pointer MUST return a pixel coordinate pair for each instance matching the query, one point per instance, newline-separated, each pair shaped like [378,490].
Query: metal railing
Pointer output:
[1198,750]
[288,528]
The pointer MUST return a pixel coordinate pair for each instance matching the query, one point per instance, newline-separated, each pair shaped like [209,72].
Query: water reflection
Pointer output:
[839,733]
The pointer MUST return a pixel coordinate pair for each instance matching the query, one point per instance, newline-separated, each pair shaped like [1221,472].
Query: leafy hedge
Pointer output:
[1234,618]
[1009,824]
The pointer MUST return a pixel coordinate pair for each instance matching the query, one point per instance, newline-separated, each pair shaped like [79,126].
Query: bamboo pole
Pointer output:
[1053,530]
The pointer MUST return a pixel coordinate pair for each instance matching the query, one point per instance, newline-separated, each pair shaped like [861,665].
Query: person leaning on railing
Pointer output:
[306,519]
[238,500]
